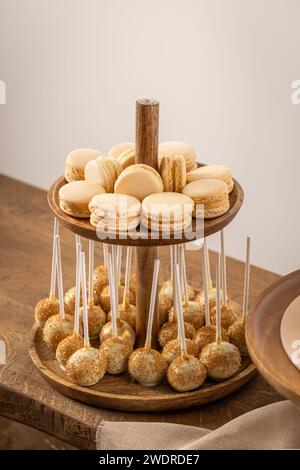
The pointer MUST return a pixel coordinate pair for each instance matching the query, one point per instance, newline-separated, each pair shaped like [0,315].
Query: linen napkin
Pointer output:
[275,426]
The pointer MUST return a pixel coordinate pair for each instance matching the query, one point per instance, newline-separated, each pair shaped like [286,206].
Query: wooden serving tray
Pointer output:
[83,227]
[263,336]
[119,393]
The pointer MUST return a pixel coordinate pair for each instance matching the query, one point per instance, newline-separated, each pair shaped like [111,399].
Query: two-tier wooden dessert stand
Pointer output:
[118,392]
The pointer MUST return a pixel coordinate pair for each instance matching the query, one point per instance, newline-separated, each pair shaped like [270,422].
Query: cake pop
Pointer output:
[73,342]
[169,331]
[97,317]
[124,330]
[186,371]
[230,309]
[237,329]
[173,349]
[127,311]
[49,306]
[87,365]
[207,333]
[116,349]
[146,365]
[221,359]
[59,326]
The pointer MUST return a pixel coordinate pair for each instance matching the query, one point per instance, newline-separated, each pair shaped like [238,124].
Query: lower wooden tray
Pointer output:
[119,393]
[263,336]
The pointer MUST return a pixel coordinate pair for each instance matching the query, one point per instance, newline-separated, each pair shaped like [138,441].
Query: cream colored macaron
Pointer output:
[76,161]
[139,181]
[210,193]
[103,170]
[173,148]
[167,211]
[173,172]
[115,212]
[116,150]
[218,172]
[74,197]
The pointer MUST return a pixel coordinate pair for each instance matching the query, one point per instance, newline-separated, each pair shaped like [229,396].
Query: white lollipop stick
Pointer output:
[152,304]
[112,286]
[114,254]
[105,253]
[127,274]
[60,279]
[77,239]
[246,279]
[205,287]
[184,279]
[180,312]
[91,269]
[86,336]
[172,264]
[77,296]
[210,286]
[119,263]
[218,301]
[223,269]
[173,249]
[54,255]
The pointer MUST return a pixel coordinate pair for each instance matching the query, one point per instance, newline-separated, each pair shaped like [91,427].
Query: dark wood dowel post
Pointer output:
[147,117]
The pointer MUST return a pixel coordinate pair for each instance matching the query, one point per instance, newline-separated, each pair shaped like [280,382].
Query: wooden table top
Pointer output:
[26,242]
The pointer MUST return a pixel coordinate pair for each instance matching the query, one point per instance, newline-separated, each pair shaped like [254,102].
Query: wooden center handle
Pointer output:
[147,118]
[147,122]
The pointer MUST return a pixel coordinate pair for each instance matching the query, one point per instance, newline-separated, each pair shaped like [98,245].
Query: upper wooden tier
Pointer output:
[83,227]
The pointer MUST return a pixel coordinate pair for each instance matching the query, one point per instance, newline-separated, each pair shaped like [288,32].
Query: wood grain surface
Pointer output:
[25,259]
[263,336]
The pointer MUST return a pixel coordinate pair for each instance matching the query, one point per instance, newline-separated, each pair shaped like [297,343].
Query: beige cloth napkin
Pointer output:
[275,426]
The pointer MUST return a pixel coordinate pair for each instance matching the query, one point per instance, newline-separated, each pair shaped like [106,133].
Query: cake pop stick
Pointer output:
[184,279]
[223,270]
[172,264]
[119,263]
[205,288]
[91,269]
[218,301]
[127,275]
[174,251]
[60,279]
[53,265]
[210,286]
[152,304]
[112,287]
[180,312]
[105,252]
[246,279]
[78,240]
[84,302]
[77,296]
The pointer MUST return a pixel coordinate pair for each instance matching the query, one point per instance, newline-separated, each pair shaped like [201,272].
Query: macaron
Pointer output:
[115,212]
[103,170]
[116,150]
[74,197]
[218,172]
[127,158]
[173,172]
[139,181]
[76,161]
[173,148]
[211,194]
[168,211]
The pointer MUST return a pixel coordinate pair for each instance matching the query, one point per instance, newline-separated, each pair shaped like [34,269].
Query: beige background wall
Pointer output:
[222,70]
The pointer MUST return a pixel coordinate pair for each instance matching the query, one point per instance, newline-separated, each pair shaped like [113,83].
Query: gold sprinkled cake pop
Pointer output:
[146,365]
[87,365]
[186,371]
[221,359]
[116,349]
[73,342]
[169,331]
[49,306]
[59,326]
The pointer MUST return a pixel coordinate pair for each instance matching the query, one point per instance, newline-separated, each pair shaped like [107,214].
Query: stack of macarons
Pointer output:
[90,173]
[115,212]
[167,212]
